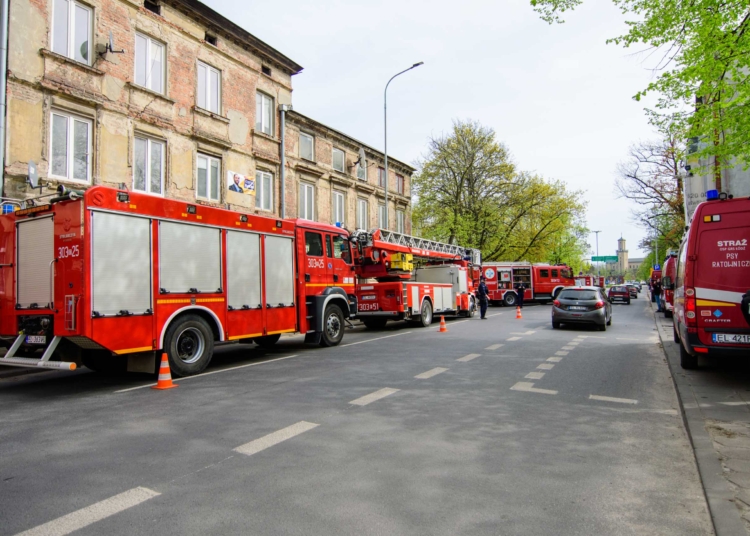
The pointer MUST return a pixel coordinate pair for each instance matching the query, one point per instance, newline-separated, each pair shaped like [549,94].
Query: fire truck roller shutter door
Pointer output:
[189,258]
[243,270]
[35,239]
[415,305]
[279,270]
[121,263]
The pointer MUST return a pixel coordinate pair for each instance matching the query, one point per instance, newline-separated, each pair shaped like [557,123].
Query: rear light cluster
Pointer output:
[599,305]
[690,308]
[556,303]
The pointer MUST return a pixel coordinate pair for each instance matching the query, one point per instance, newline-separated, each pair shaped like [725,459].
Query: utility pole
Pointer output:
[597,251]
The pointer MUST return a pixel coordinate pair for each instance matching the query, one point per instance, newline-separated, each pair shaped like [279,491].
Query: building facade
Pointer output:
[166,97]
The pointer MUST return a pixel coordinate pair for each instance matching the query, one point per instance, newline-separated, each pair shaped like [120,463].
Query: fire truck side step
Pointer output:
[30,362]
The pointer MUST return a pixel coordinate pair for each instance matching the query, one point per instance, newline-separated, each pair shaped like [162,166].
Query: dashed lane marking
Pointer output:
[534,375]
[568,348]
[733,403]
[562,353]
[546,366]
[372,397]
[529,388]
[522,332]
[430,373]
[380,338]
[91,514]
[613,399]
[494,347]
[468,357]
[494,315]
[514,338]
[257,445]
[554,359]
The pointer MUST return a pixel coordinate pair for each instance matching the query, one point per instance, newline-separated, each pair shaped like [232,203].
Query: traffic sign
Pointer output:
[657,267]
[604,258]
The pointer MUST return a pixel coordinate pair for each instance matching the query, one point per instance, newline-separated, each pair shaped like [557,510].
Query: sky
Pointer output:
[557,96]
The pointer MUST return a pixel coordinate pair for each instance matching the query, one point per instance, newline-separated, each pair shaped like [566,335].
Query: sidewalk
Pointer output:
[715,403]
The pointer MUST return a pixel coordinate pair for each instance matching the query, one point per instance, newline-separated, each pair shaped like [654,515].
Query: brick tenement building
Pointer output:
[185,106]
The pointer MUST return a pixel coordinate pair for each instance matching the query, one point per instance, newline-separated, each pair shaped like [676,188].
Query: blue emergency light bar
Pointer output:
[712,194]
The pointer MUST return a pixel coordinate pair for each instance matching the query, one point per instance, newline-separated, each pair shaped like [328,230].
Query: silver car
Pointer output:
[582,305]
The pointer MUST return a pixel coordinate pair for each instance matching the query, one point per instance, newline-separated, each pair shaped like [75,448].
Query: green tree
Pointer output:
[703,60]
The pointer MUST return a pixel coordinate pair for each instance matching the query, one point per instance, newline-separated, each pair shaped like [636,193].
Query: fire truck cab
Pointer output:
[110,278]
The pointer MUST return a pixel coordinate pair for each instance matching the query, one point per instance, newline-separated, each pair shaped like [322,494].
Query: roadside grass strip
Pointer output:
[546,366]
[494,347]
[430,373]
[468,357]
[554,359]
[528,387]
[613,399]
[257,445]
[534,376]
[372,397]
[91,514]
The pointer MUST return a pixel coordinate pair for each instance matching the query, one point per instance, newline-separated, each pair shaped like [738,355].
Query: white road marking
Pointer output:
[372,397]
[546,366]
[430,373]
[664,411]
[91,514]
[514,338]
[625,339]
[534,375]
[212,372]
[494,314]
[729,404]
[494,347]
[522,332]
[529,388]
[568,348]
[612,399]
[274,438]
[562,353]
[377,338]
[554,359]
[468,357]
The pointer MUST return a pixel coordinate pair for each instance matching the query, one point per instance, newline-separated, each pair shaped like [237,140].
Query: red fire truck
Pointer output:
[391,287]
[669,272]
[542,281]
[109,278]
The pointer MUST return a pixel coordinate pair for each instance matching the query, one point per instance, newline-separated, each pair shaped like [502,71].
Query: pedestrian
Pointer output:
[483,295]
[521,291]
[656,293]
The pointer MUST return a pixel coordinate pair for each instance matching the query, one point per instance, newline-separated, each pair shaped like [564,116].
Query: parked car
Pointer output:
[582,305]
[619,293]
[633,291]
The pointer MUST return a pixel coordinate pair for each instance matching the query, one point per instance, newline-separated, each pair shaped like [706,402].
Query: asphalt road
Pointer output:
[500,426]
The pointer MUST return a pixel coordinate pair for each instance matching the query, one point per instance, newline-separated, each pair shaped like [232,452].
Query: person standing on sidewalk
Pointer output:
[656,293]
[483,295]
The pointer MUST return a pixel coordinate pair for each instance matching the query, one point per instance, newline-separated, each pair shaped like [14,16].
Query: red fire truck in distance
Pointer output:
[669,273]
[111,277]
[390,287]
[542,281]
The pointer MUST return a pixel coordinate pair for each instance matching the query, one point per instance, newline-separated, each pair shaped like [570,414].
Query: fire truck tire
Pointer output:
[267,341]
[425,314]
[103,362]
[687,361]
[189,343]
[333,326]
[472,309]
[510,299]
[374,323]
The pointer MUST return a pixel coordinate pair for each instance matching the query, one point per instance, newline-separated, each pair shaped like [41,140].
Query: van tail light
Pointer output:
[690,308]
[556,303]
[599,305]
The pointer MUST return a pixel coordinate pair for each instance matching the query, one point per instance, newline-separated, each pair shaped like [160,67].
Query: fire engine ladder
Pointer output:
[400,239]
[30,362]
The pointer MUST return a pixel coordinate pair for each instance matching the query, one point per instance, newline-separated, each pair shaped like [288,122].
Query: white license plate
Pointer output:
[730,338]
[36,339]
[576,308]
[368,297]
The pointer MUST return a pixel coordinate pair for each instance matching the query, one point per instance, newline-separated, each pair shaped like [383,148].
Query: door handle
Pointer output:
[307,278]
[335,278]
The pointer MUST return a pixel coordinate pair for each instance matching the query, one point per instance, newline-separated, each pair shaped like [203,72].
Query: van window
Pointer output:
[543,273]
[554,273]
[313,244]
[681,264]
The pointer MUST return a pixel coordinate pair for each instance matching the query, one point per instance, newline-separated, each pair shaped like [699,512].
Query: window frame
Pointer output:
[209,158]
[163,73]
[207,89]
[343,160]
[308,189]
[150,140]
[308,236]
[381,216]
[259,119]
[334,219]
[70,48]
[360,215]
[260,190]
[311,158]
[400,222]
[362,166]
[381,177]
[70,155]
[400,184]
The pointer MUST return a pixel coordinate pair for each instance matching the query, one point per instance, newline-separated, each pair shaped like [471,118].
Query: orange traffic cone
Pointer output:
[518,313]
[165,377]
[443,328]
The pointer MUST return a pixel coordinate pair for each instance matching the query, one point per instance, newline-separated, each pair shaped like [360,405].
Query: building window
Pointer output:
[306,201]
[149,63]
[211,39]
[266,70]
[70,147]
[71,30]
[362,214]
[264,113]
[209,173]
[362,170]
[209,88]
[263,190]
[153,7]
[338,208]
[306,146]
[338,160]
[381,217]
[400,228]
[381,177]
[148,166]
[400,184]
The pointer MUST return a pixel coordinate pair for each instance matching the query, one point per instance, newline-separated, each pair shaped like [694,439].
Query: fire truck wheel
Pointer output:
[687,361]
[509,299]
[333,326]
[472,308]
[189,344]
[104,362]
[375,323]
[267,341]
[425,314]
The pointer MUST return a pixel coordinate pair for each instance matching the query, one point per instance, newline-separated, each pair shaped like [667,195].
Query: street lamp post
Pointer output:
[385,132]
[597,251]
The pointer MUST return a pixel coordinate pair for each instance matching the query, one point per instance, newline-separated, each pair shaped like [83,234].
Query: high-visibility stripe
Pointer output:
[188,300]
[209,300]
[160,302]
[709,303]
[281,331]
[133,350]
[329,284]
[166,376]
[247,336]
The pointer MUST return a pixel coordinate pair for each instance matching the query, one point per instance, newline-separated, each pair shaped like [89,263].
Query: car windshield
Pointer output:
[582,294]
[619,289]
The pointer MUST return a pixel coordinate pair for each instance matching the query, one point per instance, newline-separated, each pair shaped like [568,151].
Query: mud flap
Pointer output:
[313,337]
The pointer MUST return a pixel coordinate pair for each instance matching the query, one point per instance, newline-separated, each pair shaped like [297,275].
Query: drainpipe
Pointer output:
[284,109]
[4,8]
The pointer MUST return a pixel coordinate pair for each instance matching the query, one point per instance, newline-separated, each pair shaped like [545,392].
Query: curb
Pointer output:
[717,492]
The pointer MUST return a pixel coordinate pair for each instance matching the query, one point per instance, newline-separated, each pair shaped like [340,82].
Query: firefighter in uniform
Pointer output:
[483,295]
[521,291]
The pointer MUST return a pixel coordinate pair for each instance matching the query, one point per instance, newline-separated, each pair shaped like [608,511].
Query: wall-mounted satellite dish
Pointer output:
[33,176]
[110,47]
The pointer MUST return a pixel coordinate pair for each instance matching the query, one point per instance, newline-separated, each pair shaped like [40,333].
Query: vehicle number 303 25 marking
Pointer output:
[65,252]
[316,263]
